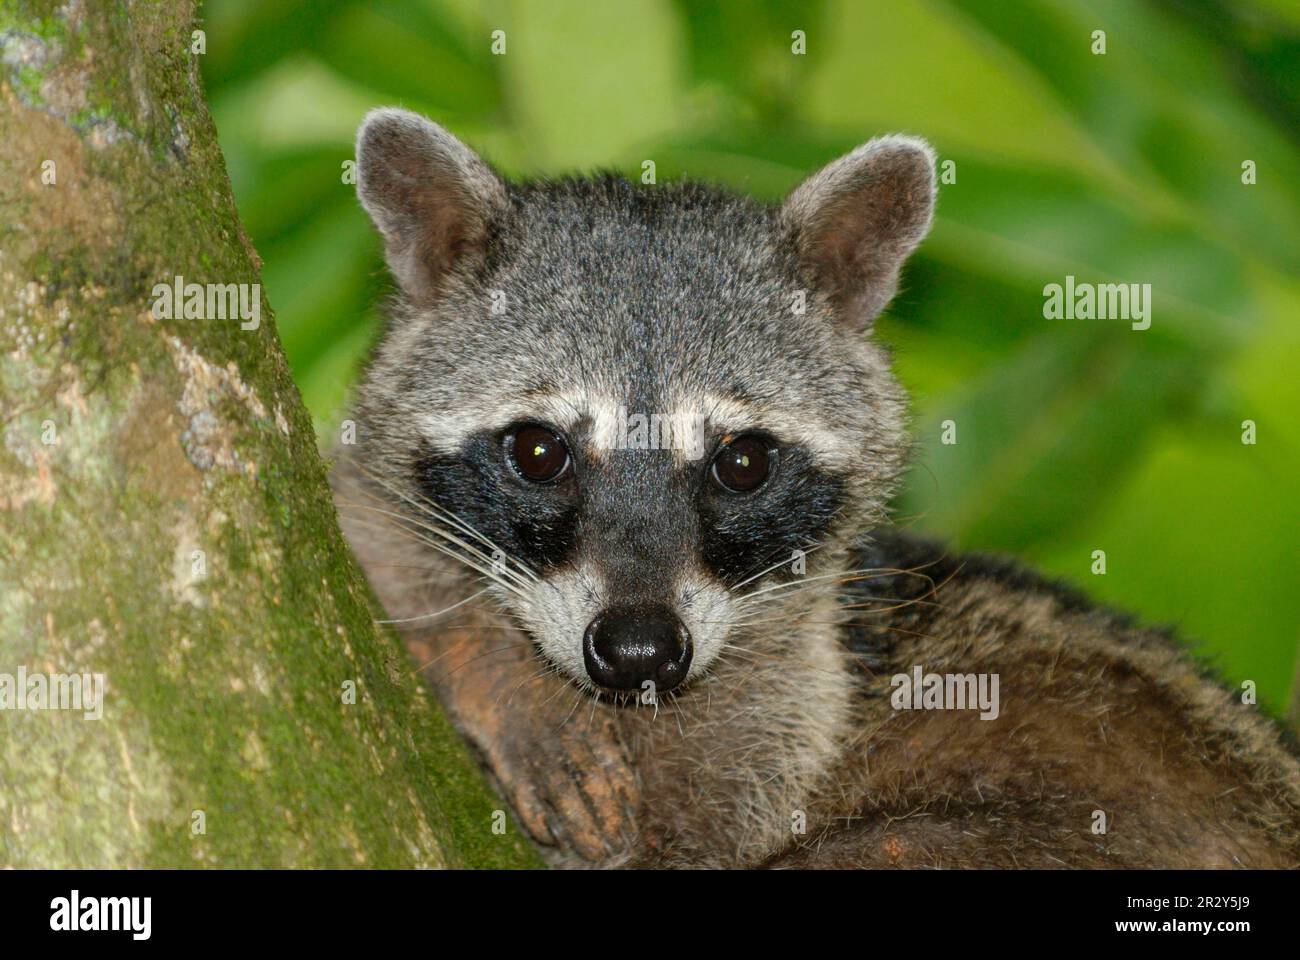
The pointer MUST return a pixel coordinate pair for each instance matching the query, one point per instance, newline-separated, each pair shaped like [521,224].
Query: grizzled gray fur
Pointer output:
[679,646]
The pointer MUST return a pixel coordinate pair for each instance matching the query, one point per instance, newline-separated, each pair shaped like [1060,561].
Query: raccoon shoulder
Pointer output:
[1107,743]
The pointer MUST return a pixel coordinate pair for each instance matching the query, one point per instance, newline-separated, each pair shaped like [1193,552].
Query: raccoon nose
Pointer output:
[624,648]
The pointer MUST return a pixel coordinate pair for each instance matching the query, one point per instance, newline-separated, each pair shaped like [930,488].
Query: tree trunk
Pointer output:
[164,515]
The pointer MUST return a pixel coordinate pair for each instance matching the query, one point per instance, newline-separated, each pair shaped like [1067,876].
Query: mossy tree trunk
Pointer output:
[164,515]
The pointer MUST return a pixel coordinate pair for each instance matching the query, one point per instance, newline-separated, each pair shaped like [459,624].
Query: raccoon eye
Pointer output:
[538,454]
[742,465]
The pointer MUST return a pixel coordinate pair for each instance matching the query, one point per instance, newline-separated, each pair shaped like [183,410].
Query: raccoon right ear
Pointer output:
[856,220]
[432,198]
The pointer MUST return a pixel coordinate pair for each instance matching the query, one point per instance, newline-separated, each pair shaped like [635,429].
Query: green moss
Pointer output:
[225,690]
[29,82]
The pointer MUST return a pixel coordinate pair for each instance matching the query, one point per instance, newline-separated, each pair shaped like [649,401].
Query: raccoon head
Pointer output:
[630,408]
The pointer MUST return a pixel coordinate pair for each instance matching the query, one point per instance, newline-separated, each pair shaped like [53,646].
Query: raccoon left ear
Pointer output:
[431,197]
[856,220]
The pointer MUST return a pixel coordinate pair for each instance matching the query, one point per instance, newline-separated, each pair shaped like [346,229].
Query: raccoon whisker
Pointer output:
[430,616]
[414,536]
[840,576]
[559,690]
[458,524]
[795,620]
[753,656]
[436,573]
[747,654]
[852,576]
[487,575]
[474,659]
[453,539]
[532,678]
[426,507]
[407,527]
[633,697]
[794,596]
[420,668]
[444,549]
[516,622]
[679,715]
[577,702]
[440,512]
[489,626]
[855,601]
[897,603]
[796,615]
[728,645]
[769,569]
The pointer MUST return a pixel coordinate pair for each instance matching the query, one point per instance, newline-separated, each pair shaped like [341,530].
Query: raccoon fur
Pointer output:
[621,472]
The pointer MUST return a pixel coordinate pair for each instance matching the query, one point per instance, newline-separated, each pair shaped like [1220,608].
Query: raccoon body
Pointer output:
[622,464]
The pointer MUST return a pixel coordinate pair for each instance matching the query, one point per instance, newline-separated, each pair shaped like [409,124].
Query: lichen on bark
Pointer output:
[164,514]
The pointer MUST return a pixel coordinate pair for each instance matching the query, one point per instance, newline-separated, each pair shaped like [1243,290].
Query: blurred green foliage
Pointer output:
[1074,435]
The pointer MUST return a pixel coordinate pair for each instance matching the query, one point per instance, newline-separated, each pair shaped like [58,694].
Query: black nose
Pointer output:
[623,648]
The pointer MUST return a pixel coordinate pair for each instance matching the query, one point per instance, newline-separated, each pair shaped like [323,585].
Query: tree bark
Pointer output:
[164,515]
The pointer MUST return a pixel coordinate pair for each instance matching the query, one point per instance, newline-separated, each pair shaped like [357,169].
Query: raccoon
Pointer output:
[621,474]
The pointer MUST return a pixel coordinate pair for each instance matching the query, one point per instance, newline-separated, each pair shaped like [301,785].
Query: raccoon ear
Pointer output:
[856,220]
[431,197]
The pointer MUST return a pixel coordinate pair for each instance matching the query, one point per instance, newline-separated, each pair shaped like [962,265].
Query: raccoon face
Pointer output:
[635,410]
